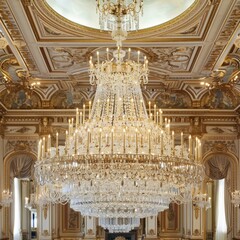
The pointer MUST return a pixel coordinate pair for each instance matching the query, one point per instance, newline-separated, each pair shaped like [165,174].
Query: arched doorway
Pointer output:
[221,169]
[18,173]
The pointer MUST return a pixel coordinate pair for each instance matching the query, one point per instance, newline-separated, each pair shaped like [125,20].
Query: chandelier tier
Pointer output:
[121,161]
[115,225]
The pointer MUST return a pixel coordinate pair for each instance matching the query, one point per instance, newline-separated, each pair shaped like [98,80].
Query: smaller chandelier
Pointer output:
[201,200]
[31,204]
[6,198]
[119,17]
[236,198]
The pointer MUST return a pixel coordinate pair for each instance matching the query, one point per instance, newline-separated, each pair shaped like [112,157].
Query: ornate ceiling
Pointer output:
[38,45]
[82,12]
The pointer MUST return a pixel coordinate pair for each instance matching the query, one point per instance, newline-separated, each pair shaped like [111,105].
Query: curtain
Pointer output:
[217,166]
[21,166]
[221,225]
[17,210]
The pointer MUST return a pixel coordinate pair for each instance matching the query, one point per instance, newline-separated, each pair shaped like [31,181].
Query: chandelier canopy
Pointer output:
[121,162]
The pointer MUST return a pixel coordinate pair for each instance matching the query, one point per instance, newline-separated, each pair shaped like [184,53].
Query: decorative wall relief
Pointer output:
[173,99]
[63,58]
[21,145]
[172,59]
[67,99]
[220,98]
[71,220]
[170,219]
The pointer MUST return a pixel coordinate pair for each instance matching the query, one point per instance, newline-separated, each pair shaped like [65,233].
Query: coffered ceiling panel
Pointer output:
[181,51]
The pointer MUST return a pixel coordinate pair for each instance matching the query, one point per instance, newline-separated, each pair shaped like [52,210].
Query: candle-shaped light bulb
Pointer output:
[129,53]
[190,144]
[154,113]
[84,113]
[90,104]
[107,54]
[98,60]
[77,117]
[57,143]
[161,117]
[138,57]
[173,142]
[169,121]
[26,200]
[81,118]
[199,150]
[149,108]
[49,142]
[182,143]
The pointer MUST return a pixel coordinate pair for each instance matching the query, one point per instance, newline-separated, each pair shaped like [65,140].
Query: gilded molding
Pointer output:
[16,35]
[192,14]
[228,29]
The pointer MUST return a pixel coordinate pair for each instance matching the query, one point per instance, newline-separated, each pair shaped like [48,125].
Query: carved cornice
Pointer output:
[12,27]
[225,35]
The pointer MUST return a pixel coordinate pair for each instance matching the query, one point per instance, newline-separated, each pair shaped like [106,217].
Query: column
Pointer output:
[25,218]
[44,222]
[90,227]
[1,185]
[236,210]
[151,227]
[209,212]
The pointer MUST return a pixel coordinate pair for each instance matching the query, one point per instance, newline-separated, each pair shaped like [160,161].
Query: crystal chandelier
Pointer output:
[120,162]
[236,198]
[119,16]
[202,200]
[31,204]
[7,198]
